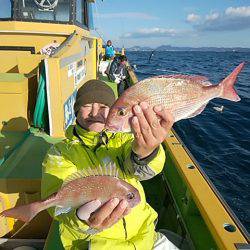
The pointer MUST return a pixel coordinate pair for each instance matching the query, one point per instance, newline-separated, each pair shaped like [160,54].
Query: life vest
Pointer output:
[109,51]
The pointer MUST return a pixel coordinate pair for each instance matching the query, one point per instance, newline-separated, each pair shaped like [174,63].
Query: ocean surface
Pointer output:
[220,142]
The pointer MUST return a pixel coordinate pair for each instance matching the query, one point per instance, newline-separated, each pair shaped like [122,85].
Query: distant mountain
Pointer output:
[139,48]
[173,48]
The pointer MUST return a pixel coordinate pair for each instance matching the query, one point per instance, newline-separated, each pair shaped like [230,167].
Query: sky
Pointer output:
[193,23]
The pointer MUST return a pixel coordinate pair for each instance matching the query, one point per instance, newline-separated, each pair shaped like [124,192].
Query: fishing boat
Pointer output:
[47,52]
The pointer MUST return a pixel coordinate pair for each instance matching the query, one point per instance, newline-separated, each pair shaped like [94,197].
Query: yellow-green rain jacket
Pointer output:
[83,149]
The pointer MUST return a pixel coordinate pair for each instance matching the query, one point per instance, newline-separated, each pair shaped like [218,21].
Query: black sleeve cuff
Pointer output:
[146,160]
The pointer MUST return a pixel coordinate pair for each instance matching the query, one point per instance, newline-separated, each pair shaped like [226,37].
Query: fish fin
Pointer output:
[94,172]
[105,171]
[205,83]
[88,171]
[199,79]
[228,91]
[109,169]
[77,175]
[197,112]
[62,210]
[112,169]
[188,111]
[100,170]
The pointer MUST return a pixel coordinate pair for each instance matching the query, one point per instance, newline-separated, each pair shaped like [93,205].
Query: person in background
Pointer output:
[109,51]
[117,72]
[138,156]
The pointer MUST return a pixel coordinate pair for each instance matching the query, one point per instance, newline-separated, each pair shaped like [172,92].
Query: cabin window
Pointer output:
[91,18]
[82,13]
[6,9]
[78,12]
[47,10]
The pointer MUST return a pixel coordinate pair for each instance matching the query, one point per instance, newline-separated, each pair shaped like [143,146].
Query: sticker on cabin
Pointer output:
[80,74]
[72,69]
[69,115]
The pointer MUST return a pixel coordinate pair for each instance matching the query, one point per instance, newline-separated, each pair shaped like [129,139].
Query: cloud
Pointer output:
[233,18]
[243,11]
[212,16]
[151,32]
[192,18]
[128,15]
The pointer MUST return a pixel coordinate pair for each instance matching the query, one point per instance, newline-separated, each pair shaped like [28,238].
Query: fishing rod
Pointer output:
[98,23]
[152,53]
[104,40]
[96,29]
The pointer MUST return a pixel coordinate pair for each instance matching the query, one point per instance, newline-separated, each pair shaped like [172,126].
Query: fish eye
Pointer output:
[122,112]
[130,196]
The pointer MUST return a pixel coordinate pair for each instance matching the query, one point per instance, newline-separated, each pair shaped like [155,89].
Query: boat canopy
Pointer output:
[49,11]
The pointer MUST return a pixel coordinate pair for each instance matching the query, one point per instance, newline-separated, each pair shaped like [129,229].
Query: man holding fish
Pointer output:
[117,214]
[111,217]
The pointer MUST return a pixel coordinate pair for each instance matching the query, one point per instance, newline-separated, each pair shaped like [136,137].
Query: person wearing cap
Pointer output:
[137,157]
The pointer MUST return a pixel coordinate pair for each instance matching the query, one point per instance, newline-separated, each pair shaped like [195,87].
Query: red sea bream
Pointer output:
[184,96]
[78,189]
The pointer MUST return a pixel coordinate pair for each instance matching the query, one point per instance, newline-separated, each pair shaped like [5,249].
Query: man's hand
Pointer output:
[150,127]
[108,214]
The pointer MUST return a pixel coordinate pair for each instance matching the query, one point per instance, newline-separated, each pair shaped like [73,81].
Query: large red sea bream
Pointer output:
[184,95]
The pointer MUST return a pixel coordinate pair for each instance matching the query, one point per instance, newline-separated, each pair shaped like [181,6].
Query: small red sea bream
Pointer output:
[185,96]
[78,189]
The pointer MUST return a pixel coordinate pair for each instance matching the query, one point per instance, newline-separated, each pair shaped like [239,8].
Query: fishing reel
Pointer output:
[46,4]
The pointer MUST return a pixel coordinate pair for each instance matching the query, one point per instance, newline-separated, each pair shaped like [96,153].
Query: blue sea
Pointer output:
[220,142]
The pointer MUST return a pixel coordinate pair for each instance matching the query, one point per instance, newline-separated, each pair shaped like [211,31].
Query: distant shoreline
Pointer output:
[186,49]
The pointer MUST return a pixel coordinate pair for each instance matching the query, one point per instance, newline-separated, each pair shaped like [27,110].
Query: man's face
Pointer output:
[109,43]
[93,116]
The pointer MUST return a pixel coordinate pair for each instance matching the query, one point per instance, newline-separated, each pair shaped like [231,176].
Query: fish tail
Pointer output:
[228,91]
[25,213]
